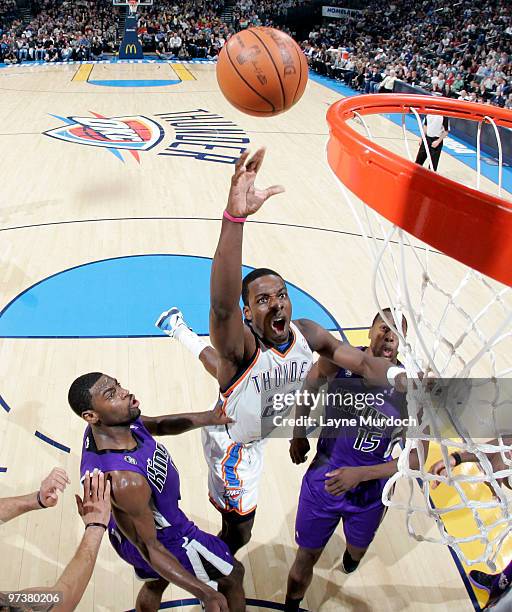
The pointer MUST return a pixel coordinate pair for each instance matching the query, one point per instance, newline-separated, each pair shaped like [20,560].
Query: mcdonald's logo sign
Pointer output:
[130,49]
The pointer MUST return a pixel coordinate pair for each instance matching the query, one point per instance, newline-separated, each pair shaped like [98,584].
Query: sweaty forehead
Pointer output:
[101,384]
[266,284]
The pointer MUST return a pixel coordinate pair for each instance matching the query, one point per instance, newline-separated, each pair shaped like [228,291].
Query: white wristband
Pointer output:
[392,373]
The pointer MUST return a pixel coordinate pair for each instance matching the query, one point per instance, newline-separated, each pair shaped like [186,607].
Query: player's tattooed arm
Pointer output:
[234,343]
[175,424]
[344,355]
[131,496]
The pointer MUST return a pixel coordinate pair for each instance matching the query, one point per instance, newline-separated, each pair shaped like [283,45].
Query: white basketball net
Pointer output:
[459,326]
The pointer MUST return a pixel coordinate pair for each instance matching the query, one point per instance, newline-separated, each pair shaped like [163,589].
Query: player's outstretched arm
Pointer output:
[344,355]
[94,509]
[226,324]
[131,496]
[45,497]
[456,458]
[175,424]
[95,512]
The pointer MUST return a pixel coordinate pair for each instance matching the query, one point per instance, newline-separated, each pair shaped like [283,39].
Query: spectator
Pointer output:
[388,84]
[441,48]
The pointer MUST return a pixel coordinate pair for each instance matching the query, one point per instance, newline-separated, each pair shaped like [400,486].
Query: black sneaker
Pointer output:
[481,580]
[348,565]
[497,585]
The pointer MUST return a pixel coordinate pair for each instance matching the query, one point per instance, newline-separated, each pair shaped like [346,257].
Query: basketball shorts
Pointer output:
[234,471]
[204,555]
[319,514]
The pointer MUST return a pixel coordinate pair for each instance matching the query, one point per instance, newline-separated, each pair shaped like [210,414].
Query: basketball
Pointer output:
[262,71]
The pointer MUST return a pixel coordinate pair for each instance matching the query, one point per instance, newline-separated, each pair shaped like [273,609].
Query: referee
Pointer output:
[435,128]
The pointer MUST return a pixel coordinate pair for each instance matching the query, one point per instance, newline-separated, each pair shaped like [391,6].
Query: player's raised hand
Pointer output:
[299,449]
[95,506]
[57,480]
[343,479]
[244,198]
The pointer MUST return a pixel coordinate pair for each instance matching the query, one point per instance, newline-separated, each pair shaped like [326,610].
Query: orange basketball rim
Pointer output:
[468,225]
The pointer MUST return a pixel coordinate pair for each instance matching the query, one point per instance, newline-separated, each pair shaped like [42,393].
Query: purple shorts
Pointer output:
[204,555]
[319,513]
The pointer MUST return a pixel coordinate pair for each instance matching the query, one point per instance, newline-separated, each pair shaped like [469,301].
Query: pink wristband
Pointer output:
[229,217]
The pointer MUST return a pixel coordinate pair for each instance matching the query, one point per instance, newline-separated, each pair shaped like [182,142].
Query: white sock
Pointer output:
[190,340]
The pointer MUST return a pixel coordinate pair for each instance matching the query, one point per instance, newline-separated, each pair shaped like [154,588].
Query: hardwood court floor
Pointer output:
[65,204]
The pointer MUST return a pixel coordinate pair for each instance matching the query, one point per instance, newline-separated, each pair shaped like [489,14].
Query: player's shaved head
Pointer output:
[79,394]
[252,276]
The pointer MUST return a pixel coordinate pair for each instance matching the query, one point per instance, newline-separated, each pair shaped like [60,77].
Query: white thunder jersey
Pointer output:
[249,401]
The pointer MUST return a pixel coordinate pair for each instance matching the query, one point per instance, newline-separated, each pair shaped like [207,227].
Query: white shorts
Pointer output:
[234,470]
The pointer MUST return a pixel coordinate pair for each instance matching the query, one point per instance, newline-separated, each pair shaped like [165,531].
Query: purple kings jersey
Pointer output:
[153,462]
[368,432]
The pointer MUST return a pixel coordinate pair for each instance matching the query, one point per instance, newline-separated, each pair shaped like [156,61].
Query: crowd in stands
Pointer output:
[62,31]
[184,30]
[459,50]
[249,13]
[87,29]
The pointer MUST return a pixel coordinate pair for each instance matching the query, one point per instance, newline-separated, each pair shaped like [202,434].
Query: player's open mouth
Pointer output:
[134,403]
[387,352]
[278,325]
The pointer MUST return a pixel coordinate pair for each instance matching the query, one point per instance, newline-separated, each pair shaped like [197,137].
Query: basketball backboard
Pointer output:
[126,3]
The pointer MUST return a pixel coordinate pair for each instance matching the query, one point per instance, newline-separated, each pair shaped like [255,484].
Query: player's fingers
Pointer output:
[334,473]
[241,160]
[236,177]
[106,494]
[440,472]
[435,467]
[79,505]
[274,190]
[101,486]
[87,486]
[61,473]
[59,479]
[57,485]
[94,486]
[254,164]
